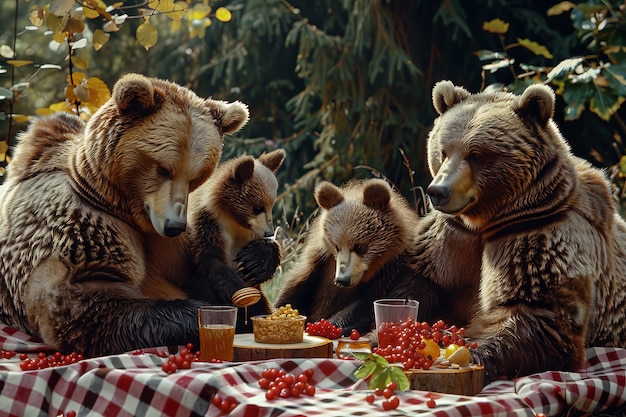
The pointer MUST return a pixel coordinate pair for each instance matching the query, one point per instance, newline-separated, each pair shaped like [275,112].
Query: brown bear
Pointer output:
[368,243]
[553,264]
[91,214]
[231,228]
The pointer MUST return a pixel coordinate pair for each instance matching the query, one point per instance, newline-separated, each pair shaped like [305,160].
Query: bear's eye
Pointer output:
[360,249]
[443,155]
[258,210]
[474,156]
[164,172]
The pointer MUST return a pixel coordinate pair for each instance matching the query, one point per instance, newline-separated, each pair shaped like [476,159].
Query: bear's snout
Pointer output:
[173,228]
[439,194]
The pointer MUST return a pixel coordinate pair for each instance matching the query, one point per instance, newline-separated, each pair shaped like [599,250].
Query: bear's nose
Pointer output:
[173,228]
[439,194]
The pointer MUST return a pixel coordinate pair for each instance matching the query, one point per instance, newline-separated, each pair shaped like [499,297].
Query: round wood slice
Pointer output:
[246,349]
[467,380]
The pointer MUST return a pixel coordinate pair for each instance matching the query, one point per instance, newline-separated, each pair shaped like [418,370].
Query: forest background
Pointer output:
[344,86]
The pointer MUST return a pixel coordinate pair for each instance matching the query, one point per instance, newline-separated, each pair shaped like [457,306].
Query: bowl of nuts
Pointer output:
[285,325]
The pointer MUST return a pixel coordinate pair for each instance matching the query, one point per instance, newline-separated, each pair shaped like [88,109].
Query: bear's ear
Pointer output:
[243,170]
[446,95]
[537,103]
[328,195]
[377,194]
[135,94]
[273,160]
[230,117]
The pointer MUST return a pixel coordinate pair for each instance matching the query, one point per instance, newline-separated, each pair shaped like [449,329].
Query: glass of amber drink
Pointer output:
[217,332]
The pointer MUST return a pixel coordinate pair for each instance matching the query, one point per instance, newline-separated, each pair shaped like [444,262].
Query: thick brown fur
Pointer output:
[381,246]
[231,228]
[91,215]
[553,261]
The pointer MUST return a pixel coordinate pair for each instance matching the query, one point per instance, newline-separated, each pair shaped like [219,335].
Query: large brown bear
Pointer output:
[231,229]
[366,244]
[553,264]
[92,219]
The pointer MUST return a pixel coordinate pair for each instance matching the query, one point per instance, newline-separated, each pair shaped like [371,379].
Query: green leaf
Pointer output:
[605,104]
[380,360]
[535,48]
[365,370]
[564,67]
[398,375]
[380,378]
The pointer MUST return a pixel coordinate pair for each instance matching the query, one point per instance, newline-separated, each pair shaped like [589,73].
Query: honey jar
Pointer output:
[346,345]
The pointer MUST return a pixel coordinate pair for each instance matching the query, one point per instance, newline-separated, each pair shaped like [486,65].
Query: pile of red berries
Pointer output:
[390,401]
[323,328]
[7,354]
[43,360]
[405,340]
[280,384]
[226,405]
[183,359]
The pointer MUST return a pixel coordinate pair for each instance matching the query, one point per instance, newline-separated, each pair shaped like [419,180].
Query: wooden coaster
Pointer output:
[246,349]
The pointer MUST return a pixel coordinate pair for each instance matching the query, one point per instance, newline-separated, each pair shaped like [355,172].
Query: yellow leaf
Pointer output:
[36,15]
[59,37]
[45,111]
[535,48]
[562,7]
[3,149]
[199,12]
[18,62]
[76,78]
[496,26]
[55,23]
[20,118]
[147,35]
[100,37]
[90,13]
[79,62]
[99,89]
[223,14]
[60,106]
[173,10]
[74,26]
[175,25]
[95,8]
[69,94]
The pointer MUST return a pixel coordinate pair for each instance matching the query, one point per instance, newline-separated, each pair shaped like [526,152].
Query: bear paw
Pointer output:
[258,260]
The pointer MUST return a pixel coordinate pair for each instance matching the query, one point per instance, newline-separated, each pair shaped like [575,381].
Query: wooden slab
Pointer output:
[467,380]
[246,349]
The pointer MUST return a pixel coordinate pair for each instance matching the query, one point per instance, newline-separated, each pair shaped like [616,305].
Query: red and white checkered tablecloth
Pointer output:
[134,385]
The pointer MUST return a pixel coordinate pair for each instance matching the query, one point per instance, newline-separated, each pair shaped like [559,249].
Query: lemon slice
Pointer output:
[460,356]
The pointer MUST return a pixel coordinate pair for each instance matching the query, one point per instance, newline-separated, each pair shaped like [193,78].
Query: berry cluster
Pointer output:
[183,359]
[43,360]
[410,342]
[226,405]
[7,354]
[323,328]
[280,384]
[390,401]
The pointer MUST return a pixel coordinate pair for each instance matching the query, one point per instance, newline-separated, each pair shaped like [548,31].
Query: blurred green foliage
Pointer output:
[343,85]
